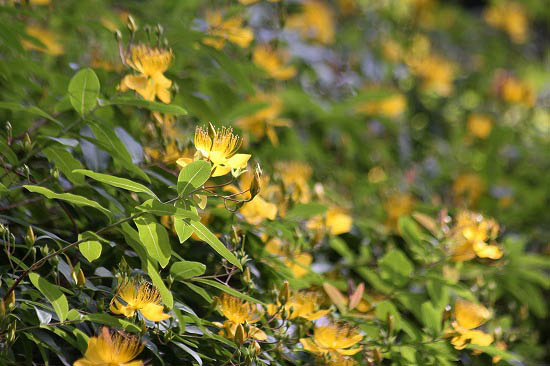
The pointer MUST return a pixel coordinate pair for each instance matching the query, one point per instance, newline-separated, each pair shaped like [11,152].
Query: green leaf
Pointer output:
[306,210]
[385,308]
[109,141]
[163,209]
[431,318]
[52,293]
[123,183]
[84,90]
[165,293]
[155,239]
[29,109]
[494,351]
[396,267]
[229,290]
[147,104]
[111,321]
[206,235]
[90,249]
[183,229]
[68,197]
[187,269]
[199,291]
[8,153]
[65,161]
[193,176]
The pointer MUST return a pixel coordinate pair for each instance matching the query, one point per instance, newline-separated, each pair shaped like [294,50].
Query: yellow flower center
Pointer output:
[149,61]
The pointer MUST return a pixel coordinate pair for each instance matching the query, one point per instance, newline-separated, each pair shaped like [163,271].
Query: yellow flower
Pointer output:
[151,63]
[468,189]
[47,38]
[116,349]
[273,61]
[229,29]
[302,304]
[336,221]
[513,90]
[315,22]
[169,156]
[239,312]
[509,17]
[219,147]
[437,73]
[295,176]
[138,296]
[248,2]
[470,237]
[480,125]
[391,107]
[398,205]
[392,50]
[333,339]
[264,121]
[296,261]
[469,316]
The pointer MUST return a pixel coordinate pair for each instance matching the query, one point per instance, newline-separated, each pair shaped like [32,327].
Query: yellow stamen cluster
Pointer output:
[113,349]
[471,236]
[222,141]
[239,312]
[149,61]
[333,339]
[138,296]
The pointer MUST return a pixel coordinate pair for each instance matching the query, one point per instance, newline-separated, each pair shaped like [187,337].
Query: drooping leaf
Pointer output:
[123,183]
[52,293]
[155,239]
[186,269]
[227,289]
[163,209]
[167,297]
[65,161]
[204,234]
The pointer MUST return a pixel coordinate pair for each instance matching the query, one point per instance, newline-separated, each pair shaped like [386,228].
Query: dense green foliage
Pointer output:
[347,182]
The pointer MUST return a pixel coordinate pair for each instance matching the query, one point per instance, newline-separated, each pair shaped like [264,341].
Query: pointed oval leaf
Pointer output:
[155,239]
[206,235]
[187,269]
[84,90]
[167,297]
[193,176]
[123,183]
[90,249]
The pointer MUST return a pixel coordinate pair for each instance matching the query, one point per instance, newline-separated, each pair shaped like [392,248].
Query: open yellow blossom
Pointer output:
[297,261]
[223,30]
[333,339]
[480,125]
[469,316]
[264,121]
[302,304]
[138,296]
[295,176]
[392,106]
[514,91]
[468,189]
[336,220]
[509,17]
[151,63]
[47,38]
[111,349]
[470,237]
[248,2]
[436,72]
[169,156]
[239,312]
[316,21]
[273,61]
[396,206]
[219,146]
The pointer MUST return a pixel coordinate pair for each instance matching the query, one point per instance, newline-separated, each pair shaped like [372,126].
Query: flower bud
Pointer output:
[240,334]
[10,299]
[9,132]
[284,295]
[27,142]
[2,308]
[391,323]
[246,276]
[80,279]
[377,356]
[256,346]
[131,23]
[29,237]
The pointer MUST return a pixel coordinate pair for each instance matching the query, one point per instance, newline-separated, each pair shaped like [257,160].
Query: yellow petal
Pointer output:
[317,315]
[182,162]
[479,338]
[220,170]
[257,334]
[238,161]
[487,251]
[310,346]
[154,312]
[470,315]
[349,352]
[134,82]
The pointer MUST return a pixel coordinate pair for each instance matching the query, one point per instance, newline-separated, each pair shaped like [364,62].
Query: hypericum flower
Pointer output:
[273,61]
[47,38]
[468,189]
[248,2]
[509,17]
[111,349]
[138,296]
[512,90]
[301,304]
[336,221]
[436,72]
[333,338]
[151,63]
[316,22]
[297,261]
[169,156]
[239,312]
[220,146]
[264,121]
[397,205]
[392,106]
[469,316]
[295,176]
[479,125]
[230,29]
[470,236]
